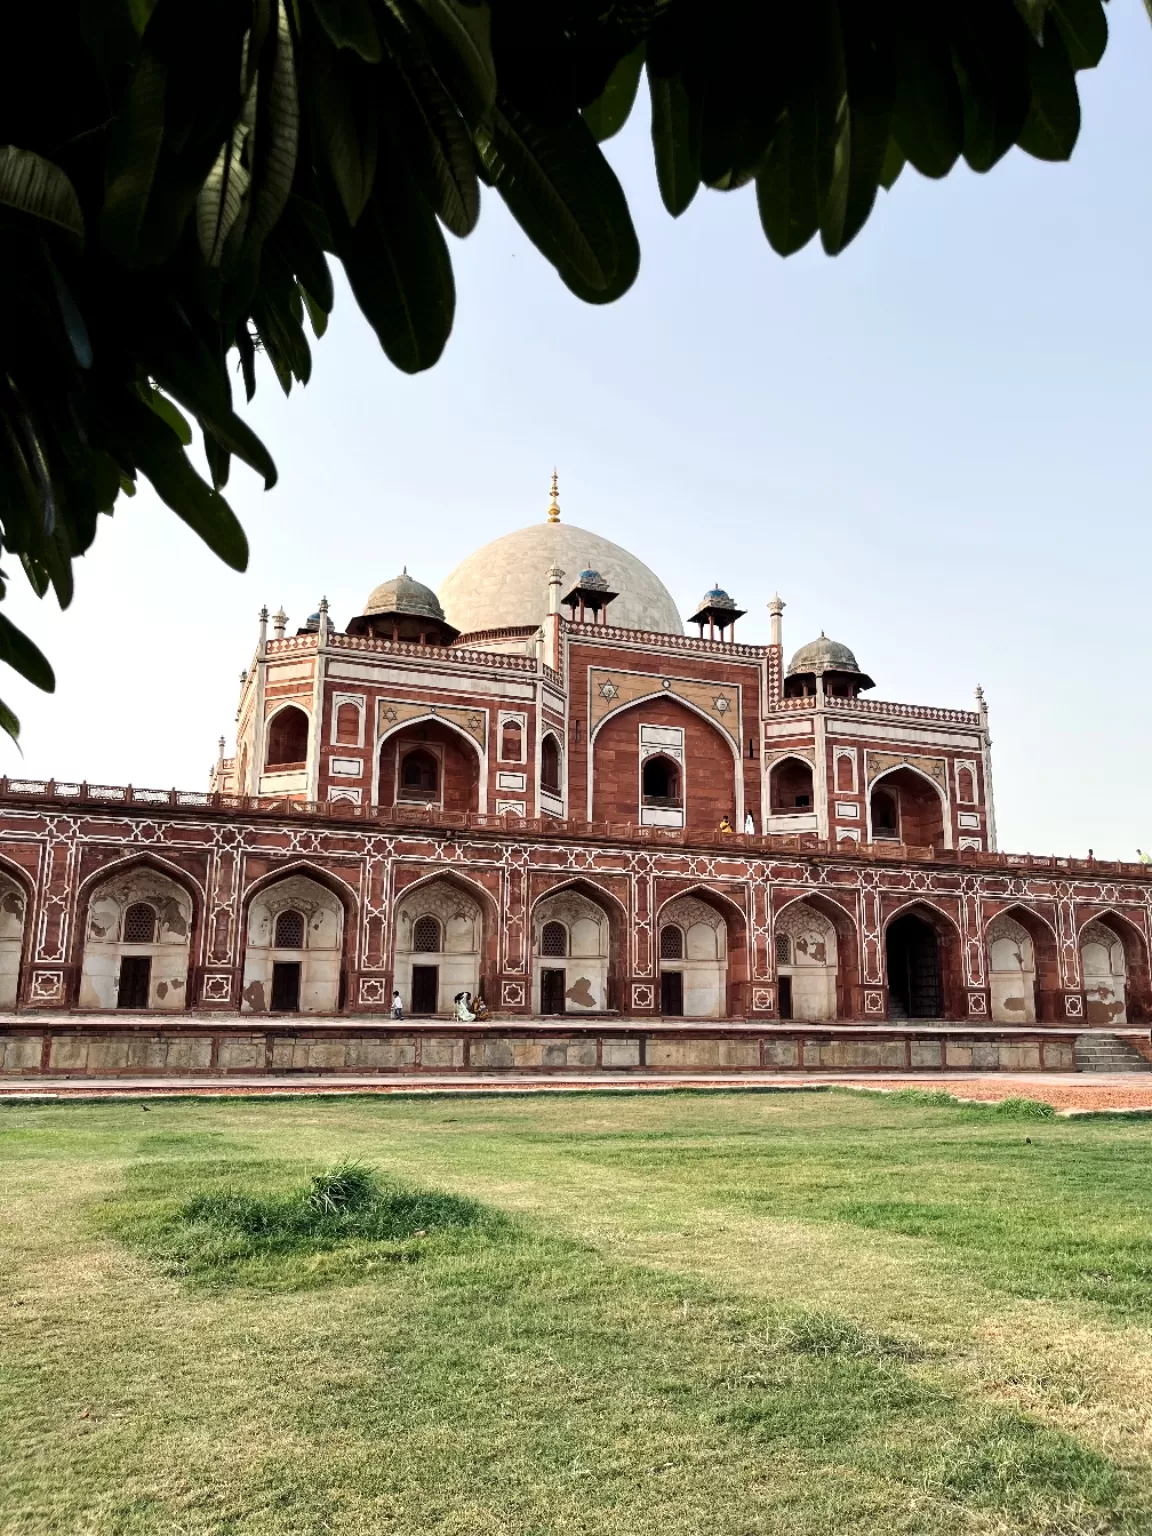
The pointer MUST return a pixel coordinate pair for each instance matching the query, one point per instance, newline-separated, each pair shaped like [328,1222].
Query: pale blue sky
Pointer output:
[935,446]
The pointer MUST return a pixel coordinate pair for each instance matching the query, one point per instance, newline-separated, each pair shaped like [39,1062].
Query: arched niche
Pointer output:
[437,913]
[429,764]
[807,963]
[129,963]
[791,790]
[904,806]
[1023,968]
[577,980]
[287,740]
[693,948]
[13,910]
[1110,954]
[286,978]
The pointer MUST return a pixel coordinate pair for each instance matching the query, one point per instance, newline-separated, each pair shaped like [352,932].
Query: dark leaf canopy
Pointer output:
[176,175]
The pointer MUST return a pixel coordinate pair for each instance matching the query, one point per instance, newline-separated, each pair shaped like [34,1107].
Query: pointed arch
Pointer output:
[913,831]
[1023,993]
[711,987]
[660,696]
[588,978]
[117,969]
[457,734]
[16,930]
[843,991]
[922,948]
[1135,997]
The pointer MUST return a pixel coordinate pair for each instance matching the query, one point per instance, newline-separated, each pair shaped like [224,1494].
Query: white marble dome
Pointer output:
[506,582]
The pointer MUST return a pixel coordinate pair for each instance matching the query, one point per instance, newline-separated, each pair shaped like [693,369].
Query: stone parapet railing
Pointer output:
[61,792]
[670,642]
[906,711]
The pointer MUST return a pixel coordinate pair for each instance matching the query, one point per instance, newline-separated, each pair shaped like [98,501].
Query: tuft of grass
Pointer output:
[1024,1109]
[826,1334]
[344,1223]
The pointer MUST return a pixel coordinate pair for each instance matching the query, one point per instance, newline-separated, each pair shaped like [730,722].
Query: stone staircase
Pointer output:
[1102,1052]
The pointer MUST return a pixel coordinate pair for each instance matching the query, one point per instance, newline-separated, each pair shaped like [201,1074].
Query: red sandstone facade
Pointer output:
[532,813]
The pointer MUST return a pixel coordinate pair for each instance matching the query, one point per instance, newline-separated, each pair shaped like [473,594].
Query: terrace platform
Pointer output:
[64,1047]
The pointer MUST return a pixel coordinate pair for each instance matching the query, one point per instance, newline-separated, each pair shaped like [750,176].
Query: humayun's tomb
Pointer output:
[522,787]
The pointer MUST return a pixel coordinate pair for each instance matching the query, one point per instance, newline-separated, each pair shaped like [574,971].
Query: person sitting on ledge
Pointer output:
[463,1001]
[481,1009]
[725,826]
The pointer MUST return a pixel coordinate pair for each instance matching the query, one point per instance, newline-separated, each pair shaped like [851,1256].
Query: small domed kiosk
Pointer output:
[829,660]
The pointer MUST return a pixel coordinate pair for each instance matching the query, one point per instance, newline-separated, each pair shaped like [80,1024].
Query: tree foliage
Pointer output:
[176,174]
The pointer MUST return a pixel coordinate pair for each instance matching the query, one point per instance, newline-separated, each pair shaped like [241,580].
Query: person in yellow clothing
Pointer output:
[725,826]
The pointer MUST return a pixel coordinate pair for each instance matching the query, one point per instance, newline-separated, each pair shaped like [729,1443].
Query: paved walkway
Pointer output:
[1067,1091]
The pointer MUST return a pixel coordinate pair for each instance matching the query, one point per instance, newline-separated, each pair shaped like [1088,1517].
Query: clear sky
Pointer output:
[935,446]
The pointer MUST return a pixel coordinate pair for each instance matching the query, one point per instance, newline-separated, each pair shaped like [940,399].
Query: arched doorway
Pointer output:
[906,807]
[439,942]
[693,960]
[287,748]
[136,943]
[571,946]
[915,971]
[295,945]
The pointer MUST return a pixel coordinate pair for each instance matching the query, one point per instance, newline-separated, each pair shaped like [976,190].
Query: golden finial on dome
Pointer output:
[554,509]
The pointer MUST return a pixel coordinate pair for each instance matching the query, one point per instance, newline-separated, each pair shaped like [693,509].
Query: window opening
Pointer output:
[290,930]
[791,787]
[288,739]
[783,949]
[671,942]
[550,765]
[845,776]
[140,924]
[554,939]
[885,819]
[426,936]
[965,787]
[419,776]
[661,781]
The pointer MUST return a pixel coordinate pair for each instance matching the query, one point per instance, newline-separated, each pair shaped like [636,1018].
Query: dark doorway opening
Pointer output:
[286,986]
[672,992]
[425,988]
[914,985]
[785,992]
[552,991]
[135,981]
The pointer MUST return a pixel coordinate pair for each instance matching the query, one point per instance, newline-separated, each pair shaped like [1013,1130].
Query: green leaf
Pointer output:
[675,140]
[437,143]
[74,326]
[611,109]
[278,134]
[36,190]
[565,197]
[864,120]
[345,121]
[991,44]
[928,112]
[1053,122]
[894,163]
[134,143]
[161,458]
[349,24]
[19,653]
[787,190]
[167,412]
[463,33]
[221,198]
[398,267]
[1084,28]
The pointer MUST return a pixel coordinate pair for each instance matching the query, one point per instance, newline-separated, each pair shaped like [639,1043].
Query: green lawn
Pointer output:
[748,1312]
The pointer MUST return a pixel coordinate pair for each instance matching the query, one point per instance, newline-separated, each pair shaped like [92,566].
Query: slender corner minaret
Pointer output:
[552,635]
[776,611]
[279,622]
